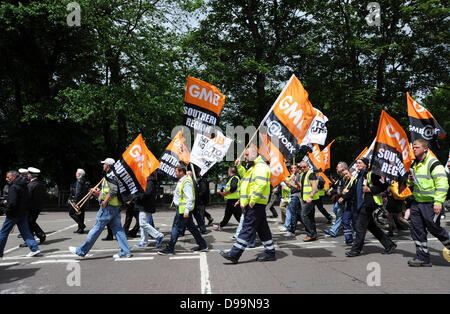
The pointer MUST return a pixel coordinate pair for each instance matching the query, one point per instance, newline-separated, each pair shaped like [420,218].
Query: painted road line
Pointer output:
[55,261]
[131,259]
[9,264]
[204,274]
[185,257]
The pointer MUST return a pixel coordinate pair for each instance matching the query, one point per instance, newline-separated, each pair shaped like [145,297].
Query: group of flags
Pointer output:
[291,124]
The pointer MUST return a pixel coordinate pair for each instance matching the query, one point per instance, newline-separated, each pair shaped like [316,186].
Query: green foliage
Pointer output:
[71,96]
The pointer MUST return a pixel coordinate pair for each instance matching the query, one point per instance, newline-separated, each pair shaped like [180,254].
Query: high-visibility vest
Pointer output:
[376,197]
[182,197]
[286,192]
[255,183]
[307,187]
[433,183]
[235,194]
[114,201]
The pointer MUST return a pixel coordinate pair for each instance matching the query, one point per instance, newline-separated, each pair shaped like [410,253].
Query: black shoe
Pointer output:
[229,257]
[198,249]
[81,231]
[210,221]
[77,231]
[42,240]
[352,254]
[166,251]
[418,263]
[265,258]
[23,245]
[390,249]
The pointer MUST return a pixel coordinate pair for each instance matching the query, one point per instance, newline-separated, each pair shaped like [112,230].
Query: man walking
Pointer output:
[254,196]
[366,195]
[108,197]
[430,189]
[37,192]
[16,213]
[231,195]
[78,190]
[184,200]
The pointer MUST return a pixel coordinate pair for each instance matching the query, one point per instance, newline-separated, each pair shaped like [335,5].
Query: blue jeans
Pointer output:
[295,209]
[108,215]
[338,210]
[24,229]
[349,220]
[287,221]
[252,241]
[179,225]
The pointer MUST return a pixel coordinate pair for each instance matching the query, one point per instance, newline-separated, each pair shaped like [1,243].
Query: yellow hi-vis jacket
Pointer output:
[433,184]
[255,183]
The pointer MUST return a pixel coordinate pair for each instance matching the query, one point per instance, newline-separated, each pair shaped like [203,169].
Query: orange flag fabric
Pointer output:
[175,153]
[392,154]
[203,104]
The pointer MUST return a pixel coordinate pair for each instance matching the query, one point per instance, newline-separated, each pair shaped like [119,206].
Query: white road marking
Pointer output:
[204,274]
[130,259]
[9,264]
[184,257]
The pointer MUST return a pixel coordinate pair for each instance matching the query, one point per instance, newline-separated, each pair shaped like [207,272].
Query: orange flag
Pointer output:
[203,104]
[140,160]
[422,124]
[392,154]
[175,152]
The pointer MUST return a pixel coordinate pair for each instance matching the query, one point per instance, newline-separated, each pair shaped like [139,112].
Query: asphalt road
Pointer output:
[315,267]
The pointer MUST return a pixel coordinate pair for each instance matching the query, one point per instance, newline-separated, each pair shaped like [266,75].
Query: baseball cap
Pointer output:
[108,161]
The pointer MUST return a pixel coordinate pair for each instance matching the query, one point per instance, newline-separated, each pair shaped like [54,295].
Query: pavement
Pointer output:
[315,267]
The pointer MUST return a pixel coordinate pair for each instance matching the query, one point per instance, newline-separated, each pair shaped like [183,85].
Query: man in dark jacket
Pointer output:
[16,213]
[365,193]
[203,197]
[78,190]
[37,193]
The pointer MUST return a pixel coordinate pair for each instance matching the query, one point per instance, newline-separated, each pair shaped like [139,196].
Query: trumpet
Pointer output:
[77,206]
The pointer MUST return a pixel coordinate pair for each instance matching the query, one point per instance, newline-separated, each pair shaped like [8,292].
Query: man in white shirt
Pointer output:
[184,200]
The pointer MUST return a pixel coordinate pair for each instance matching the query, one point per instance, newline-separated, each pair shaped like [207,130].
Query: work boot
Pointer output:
[229,257]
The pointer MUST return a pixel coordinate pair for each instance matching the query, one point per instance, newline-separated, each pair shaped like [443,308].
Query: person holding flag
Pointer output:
[109,213]
[430,188]
[365,193]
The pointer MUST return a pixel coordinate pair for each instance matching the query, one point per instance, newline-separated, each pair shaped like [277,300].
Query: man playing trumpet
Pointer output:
[109,213]
[77,190]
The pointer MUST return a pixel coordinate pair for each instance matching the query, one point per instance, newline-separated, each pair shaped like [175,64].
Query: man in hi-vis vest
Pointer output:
[231,194]
[109,213]
[253,198]
[184,200]
[430,187]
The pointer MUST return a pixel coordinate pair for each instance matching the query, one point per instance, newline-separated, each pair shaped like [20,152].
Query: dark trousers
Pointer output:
[319,204]
[179,225]
[130,214]
[199,215]
[255,220]
[34,227]
[422,215]
[79,219]
[366,222]
[231,210]
[308,218]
